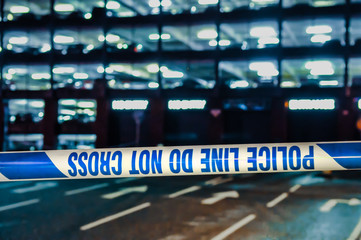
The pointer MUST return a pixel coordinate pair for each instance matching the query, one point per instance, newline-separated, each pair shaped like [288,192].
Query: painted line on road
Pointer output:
[328,205]
[86,189]
[295,188]
[277,200]
[37,187]
[124,180]
[12,184]
[124,191]
[184,191]
[235,227]
[19,204]
[114,216]
[356,232]
[218,180]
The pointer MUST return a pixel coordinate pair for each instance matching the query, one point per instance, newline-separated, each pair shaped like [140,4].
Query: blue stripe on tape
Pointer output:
[348,155]
[28,166]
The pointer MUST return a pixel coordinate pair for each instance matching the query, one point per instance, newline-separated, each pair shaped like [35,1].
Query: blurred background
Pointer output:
[80,74]
[85,74]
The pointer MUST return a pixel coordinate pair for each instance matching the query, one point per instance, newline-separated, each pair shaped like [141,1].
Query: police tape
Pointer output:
[184,160]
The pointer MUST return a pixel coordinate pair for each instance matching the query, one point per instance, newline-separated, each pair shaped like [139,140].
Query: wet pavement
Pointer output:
[258,206]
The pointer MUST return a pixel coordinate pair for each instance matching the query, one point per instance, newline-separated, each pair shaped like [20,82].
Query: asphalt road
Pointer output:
[259,206]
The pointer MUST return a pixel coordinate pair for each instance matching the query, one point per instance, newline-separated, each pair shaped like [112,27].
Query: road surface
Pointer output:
[258,206]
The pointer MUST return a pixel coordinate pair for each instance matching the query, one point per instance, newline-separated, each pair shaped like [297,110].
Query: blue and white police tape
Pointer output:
[185,160]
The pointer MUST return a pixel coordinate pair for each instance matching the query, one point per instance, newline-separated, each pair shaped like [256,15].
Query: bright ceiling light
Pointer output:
[288,84]
[186,104]
[64,7]
[154,3]
[80,76]
[45,48]
[318,29]
[239,84]
[100,4]
[222,43]
[112,38]
[207,34]
[152,68]
[264,69]
[153,85]
[39,76]
[318,64]
[90,47]
[320,38]
[139,47]
[166,3]
[263,32]
[86,104]
[19,9]
[172,74]
[311,104]
[88,16]
[101,38]
[163,68]
[20,71]
[67,102]
[67,112]
[165,36]
[63,39]
[321,67]
[120,45]
[130,104]
[325,83]
[18,40]
[109,70]
[113,5]
[37,104]
[326,3]
[320,71]
[268,40]
[154,36]
[270,72]
[63,70]
[256,66]
[213,43]
[207,2]
[100,69]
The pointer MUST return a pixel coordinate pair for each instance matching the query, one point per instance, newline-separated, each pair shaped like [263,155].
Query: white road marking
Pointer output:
[125,191]
[235,227]
[277,200]
[19,204]
[218,180]
[37,187]
[333,202]
[328,205]
[184,191]
[174,237]
[356,232]
[295,188]
[115,216]
[219,197]
[124,180]
[12,184]
[86,189]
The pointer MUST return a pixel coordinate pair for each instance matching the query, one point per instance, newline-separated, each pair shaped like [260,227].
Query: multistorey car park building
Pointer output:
[80,74]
